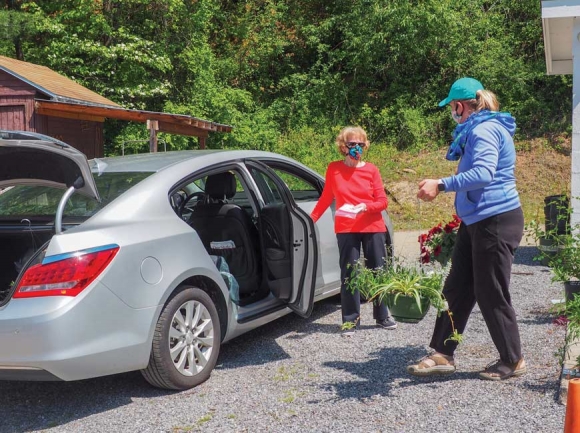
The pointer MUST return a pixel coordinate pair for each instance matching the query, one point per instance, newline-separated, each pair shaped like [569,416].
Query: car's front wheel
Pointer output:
[186,342]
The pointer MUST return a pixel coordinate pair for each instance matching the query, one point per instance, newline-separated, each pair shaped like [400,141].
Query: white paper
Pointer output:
[222,245]
[348,211]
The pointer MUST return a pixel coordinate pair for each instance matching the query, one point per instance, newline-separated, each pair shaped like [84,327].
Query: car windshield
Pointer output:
[28,201]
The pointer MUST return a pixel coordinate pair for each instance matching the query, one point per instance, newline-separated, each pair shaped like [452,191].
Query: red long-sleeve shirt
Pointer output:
[354,185]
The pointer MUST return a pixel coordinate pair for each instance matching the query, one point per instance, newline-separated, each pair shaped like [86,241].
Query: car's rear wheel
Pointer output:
[186,342]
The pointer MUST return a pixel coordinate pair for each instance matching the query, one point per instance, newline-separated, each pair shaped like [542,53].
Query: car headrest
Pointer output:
[221,186]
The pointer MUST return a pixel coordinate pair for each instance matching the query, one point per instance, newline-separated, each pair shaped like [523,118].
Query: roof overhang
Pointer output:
[558,22]
[170,123]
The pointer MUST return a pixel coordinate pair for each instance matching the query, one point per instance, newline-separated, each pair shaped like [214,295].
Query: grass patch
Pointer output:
[204,419]
[541,171]
[285,373]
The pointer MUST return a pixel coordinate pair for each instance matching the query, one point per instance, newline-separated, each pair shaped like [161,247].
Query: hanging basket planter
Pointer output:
[406,309]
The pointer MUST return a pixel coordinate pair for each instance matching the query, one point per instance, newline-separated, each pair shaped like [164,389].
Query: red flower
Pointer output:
[437,244]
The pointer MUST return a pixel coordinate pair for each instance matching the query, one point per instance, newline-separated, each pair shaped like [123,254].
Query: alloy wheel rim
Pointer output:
[191,338]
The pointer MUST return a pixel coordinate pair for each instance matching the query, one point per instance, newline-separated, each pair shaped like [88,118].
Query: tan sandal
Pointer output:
[499,370]
[432,365]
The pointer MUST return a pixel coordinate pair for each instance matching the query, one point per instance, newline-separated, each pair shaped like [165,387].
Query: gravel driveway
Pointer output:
[299,375]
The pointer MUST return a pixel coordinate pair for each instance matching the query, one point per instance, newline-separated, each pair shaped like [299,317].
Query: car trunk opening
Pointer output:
[16,248]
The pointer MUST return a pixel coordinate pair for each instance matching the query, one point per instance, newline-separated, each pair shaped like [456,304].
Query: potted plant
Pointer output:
[559,247]
[408,290]
[549,242]
[565,264]
[437,244]
[551,235]
[570,316]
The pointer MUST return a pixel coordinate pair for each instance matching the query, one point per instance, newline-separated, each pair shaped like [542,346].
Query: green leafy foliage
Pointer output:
[396,280]
[399,280]
[276,69]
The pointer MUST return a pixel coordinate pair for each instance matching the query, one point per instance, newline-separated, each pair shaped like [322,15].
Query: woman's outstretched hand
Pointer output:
[428,189]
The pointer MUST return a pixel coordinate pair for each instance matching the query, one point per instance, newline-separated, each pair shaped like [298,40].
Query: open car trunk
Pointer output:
[29,160]
[16,248]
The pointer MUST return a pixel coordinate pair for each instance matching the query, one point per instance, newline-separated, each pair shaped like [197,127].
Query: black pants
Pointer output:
[480,272]
[374,251]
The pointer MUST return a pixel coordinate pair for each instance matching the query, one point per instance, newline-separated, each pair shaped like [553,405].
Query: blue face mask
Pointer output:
[456,116]
[355,152]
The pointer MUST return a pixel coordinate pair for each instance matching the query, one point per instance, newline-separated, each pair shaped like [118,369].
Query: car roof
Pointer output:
[155,162]
[145,162]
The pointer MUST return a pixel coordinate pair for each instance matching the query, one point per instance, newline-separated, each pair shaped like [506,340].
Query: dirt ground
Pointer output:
[541,171]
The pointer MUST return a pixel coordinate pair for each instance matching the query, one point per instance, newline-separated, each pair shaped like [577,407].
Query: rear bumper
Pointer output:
[59,338]
[26,374]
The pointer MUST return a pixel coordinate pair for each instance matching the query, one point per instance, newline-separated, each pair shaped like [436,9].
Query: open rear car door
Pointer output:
[286,231]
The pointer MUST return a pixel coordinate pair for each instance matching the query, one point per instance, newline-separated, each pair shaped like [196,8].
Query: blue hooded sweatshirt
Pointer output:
[485,183]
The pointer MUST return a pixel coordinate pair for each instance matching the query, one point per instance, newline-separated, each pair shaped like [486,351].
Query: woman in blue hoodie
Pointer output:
[492,226]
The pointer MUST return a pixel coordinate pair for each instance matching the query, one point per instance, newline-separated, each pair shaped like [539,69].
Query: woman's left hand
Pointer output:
[362,207]
[428,189]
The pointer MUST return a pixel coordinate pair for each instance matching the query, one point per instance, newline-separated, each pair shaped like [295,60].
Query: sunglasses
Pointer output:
[352,144]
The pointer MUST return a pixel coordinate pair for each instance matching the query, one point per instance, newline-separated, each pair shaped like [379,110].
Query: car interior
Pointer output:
[228,231]
[256,245]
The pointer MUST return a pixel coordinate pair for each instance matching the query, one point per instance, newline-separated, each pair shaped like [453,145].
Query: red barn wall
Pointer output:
[84,135]
[17,114]
[16,104]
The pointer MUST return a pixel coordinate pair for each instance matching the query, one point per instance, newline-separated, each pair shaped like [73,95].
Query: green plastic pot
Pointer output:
[405,309]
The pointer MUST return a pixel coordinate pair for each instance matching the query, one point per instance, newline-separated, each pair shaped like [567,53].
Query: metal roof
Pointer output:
[68,98]
[51,83]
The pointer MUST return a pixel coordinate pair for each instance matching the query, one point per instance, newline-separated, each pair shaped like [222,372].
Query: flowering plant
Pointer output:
[437,244]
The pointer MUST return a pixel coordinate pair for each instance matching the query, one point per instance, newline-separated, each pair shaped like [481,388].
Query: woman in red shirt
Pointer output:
[360,197]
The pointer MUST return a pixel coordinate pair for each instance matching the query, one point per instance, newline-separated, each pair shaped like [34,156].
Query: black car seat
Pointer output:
[227,230]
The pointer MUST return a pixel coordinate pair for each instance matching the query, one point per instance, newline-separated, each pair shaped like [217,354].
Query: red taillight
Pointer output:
[66,277]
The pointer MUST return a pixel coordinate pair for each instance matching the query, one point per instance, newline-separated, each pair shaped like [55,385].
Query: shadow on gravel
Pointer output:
[384,373]
[541,319]
[547,386]
[259,346]
[31,406]
[525,256]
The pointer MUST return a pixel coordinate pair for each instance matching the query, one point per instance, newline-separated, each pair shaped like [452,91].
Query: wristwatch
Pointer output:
[441,186]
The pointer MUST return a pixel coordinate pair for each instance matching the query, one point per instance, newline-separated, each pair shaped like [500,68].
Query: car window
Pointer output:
[270,192]
[301,189]
[193,194]
[26,200]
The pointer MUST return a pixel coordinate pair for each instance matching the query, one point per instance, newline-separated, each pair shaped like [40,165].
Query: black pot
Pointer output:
[550,247]
[570,288]
[557,214]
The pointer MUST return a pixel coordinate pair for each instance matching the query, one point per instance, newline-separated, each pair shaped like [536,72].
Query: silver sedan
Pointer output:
[150,262]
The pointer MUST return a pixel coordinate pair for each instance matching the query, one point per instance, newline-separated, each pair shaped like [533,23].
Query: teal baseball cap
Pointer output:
[464,88]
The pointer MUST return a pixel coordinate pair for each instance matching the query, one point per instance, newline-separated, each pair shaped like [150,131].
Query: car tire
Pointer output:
[186,341]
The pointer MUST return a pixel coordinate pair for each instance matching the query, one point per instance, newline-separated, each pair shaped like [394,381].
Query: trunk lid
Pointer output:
[34,159]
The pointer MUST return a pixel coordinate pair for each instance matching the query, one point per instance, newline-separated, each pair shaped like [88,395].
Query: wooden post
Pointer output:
[153,126]
[201,141]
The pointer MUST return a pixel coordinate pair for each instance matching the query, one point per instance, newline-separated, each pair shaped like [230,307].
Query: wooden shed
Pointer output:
[37,99]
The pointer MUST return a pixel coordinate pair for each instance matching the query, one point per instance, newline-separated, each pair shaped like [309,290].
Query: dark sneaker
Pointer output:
[387,323]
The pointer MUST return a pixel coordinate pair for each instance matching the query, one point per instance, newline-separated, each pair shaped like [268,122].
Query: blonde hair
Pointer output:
[341,138]
[484,100]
